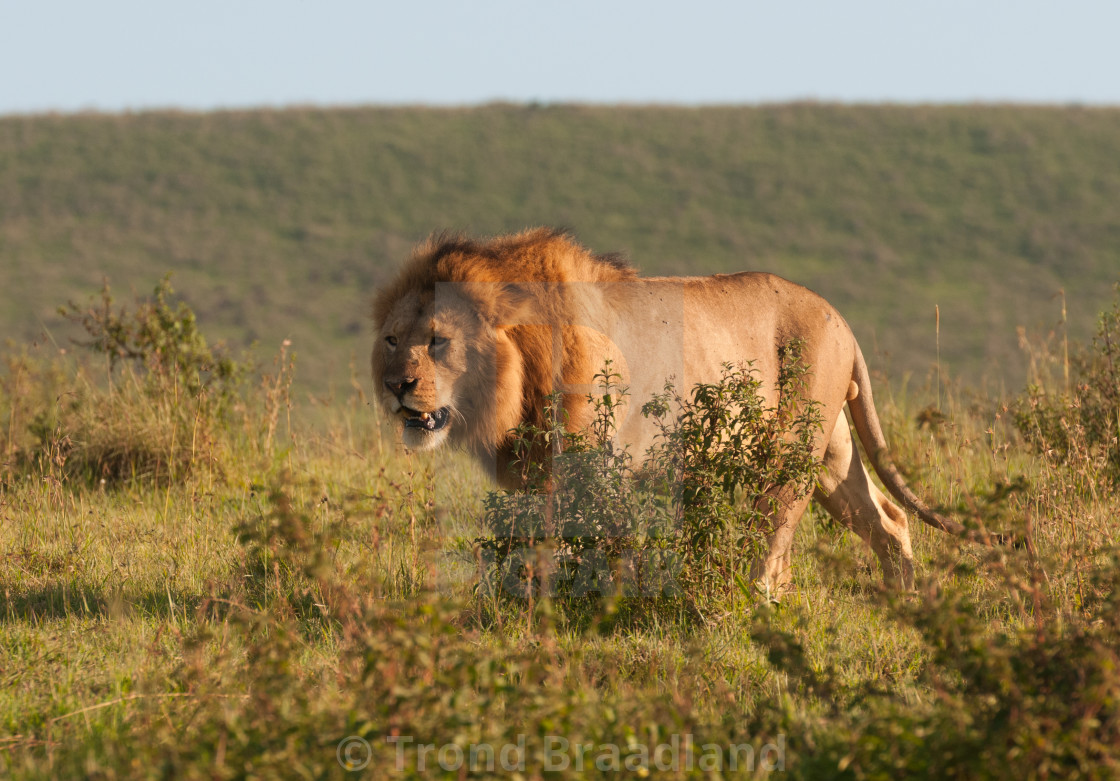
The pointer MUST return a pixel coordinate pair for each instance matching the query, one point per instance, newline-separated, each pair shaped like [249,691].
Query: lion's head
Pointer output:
[463,352]
[440,354]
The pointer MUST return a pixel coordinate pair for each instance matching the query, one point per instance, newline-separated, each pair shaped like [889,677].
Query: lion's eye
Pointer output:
[438,341]
[391,341]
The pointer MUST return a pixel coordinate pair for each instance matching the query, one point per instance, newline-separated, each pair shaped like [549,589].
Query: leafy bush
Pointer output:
[162,339]
[160,415]
[1041,700]
[730,463]
[686,522]
[584,526]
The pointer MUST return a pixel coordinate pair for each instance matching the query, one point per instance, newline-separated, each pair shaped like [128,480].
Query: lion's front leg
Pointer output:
[774,572]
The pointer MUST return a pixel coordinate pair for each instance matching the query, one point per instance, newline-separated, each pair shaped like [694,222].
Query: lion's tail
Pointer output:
[870,432]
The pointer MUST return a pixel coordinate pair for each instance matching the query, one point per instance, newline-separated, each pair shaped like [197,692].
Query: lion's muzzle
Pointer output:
[427,421]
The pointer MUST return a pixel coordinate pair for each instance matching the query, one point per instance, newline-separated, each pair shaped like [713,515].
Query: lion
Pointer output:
[474,335]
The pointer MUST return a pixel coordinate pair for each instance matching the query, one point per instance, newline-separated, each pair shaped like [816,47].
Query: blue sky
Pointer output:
[112,55]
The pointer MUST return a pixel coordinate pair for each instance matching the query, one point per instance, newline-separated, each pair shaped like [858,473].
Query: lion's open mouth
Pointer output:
[429,421]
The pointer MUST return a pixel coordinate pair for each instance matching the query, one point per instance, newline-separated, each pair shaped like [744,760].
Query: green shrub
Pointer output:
[1037,701]
[161,338]
[730,463]
[161,413]
[584,526]
[684,524]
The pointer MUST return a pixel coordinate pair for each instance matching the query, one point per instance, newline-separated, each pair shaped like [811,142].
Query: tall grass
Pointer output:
[312,605]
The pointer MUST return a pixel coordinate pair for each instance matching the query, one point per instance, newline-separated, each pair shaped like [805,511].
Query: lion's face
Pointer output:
[434,366]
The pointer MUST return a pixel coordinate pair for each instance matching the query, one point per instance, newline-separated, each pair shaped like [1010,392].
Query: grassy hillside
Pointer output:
[279,224]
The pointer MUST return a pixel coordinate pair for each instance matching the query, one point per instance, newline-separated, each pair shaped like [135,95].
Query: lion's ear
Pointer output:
[514,304]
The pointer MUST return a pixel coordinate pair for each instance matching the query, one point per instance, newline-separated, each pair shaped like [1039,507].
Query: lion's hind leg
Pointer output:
[846,491]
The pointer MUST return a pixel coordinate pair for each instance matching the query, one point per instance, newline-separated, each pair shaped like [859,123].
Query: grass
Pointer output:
[279,224]
[243,622]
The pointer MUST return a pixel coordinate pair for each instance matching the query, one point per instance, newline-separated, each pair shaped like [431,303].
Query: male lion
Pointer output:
[474,335]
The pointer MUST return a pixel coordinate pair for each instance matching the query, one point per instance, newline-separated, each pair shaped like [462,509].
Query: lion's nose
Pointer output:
[399,387]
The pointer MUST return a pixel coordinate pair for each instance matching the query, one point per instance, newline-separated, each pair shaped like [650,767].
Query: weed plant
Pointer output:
[1080,422]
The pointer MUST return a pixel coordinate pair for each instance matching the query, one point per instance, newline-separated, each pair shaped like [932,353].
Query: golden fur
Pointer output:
[473,335]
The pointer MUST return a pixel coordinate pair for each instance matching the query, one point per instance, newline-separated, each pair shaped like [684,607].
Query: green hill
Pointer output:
[279,224]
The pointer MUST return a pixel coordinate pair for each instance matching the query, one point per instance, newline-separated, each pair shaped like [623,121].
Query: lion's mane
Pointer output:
[515,283]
